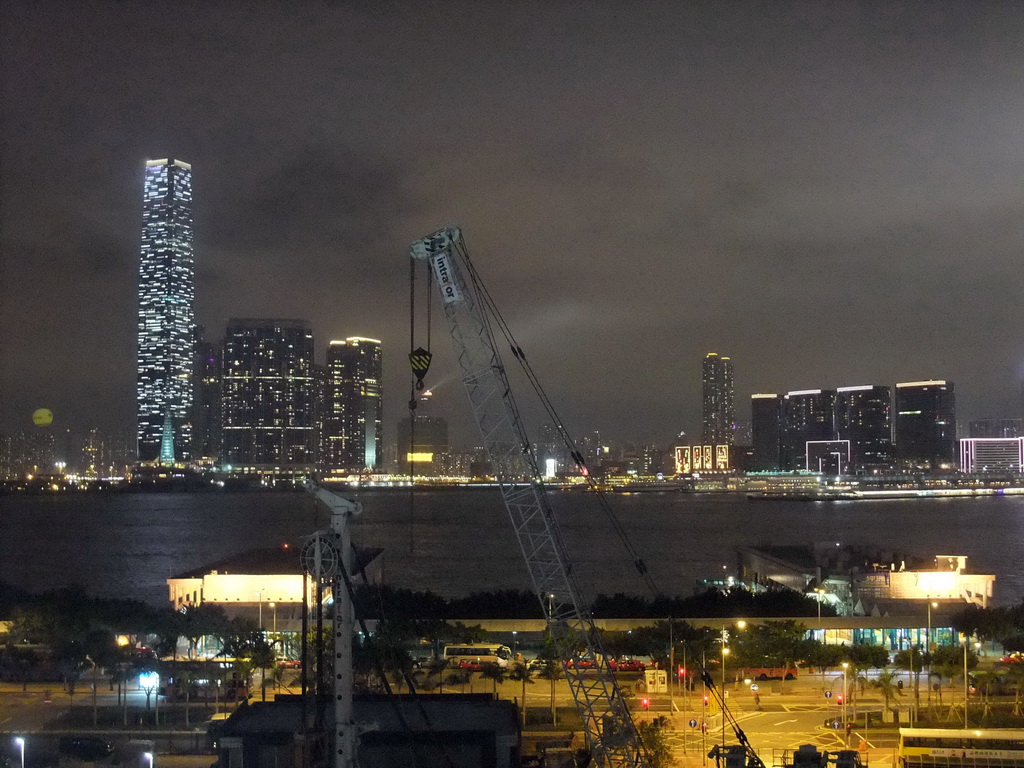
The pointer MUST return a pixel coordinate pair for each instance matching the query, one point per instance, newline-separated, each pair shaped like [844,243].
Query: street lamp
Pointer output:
[259,594]
[725,652]
[928,648]
[20,741]
[149,757]
[846,665]
[819,592]
[515,637]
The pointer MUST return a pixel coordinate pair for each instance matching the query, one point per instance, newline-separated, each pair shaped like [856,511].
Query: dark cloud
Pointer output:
[829,192]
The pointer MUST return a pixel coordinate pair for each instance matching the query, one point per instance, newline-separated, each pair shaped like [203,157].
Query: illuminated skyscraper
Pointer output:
[268,396]
[807,415]
[863,416]
[765,412]
[166,309]
[352,420]
[926,424]
[719,410]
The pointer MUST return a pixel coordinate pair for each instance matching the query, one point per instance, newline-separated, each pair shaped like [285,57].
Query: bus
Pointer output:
[992,748]
[475,655]
[771,673]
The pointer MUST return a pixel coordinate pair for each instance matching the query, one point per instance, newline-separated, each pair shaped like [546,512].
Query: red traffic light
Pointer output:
[682,671]
[839,699]
[706,700]
[646,703]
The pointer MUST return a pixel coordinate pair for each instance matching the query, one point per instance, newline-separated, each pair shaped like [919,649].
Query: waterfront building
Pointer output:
[863,417]
[925,425]
[206,402]
[719,409]
[992,454]
[352,406]
[1001,428]
[166,310]
[268,397]
[765,412]
[806,415]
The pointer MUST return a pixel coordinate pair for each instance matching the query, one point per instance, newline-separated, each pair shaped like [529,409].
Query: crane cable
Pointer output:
[517,352]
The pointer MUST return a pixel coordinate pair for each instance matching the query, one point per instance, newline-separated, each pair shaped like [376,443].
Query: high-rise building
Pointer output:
[863,416]
[206,402]
[926,424]
[808,415]
[352,420]
[997,428]
[268,394]
[719,409]
[422,440]
[765,412]
[166,310]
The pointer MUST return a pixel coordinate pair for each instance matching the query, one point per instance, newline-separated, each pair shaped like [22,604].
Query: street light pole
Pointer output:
[846,665]
[725,652]
[928,648]
[20,741]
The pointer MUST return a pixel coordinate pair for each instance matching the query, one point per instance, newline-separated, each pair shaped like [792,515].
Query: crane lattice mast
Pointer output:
[611,736]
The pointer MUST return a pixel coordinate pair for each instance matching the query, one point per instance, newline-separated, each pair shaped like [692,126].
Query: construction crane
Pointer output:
[611,736]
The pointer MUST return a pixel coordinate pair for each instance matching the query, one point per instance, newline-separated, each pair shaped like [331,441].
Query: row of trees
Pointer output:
[1004,625]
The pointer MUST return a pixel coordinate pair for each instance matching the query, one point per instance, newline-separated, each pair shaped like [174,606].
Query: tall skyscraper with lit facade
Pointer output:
[719,408]
[352,420]
[166,310]
[926,424]
[268,397]
[863,416]
[807,415]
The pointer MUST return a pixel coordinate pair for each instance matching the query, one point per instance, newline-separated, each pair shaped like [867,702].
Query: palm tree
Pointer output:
[912,660]
[1016,678]
[437,667]
[263,658]
[521,673]
[886,684]
[459,677]
[493,672]
[552,671]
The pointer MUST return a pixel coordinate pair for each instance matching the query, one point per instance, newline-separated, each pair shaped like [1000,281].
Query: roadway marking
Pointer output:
[783,722]
[864,739]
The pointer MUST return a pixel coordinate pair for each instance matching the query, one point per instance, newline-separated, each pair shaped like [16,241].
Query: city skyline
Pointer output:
[830,193]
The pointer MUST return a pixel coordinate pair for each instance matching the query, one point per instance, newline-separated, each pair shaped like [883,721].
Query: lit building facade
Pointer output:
[864,418]
[206,402]
[719,408]
[806,415]
[925,424]
[423,441]
[992,454]
[166,310]
[765,411]
[352,419]
[268,397]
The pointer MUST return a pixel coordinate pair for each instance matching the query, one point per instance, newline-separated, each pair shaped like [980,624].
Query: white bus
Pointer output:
[929,747]
[475,655]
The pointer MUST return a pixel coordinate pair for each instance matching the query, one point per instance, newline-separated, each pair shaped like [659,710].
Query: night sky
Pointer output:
[831,193]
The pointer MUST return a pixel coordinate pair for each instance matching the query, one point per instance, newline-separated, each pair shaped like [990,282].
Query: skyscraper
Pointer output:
[166,310]
[863,417]
[765,431]
[808,415]
[719,410]
[926,424]
[268,394]
[352,419]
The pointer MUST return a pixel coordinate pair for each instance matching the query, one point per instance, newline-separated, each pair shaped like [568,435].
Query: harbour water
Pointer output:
[460,541]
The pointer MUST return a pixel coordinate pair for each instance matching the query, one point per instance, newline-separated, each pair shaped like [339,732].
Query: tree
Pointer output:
[823,657]
[437,667]
[887,685]
[262,655]
[551,670]
[654,736]
[520,673]
[493,672]
[912,660]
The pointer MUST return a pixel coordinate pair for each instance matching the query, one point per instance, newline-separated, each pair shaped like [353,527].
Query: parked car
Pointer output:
[88,748]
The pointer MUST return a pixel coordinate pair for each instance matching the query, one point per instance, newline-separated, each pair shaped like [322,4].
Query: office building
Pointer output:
[268,394]
[1001,428]
[765,412]
[166,311]
[863,417]
[206,402]
[422,440]
[351,437]
[719,409]
[925,425]
[807,415]
[992,454]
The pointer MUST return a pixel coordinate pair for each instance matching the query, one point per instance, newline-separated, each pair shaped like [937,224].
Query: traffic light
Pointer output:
[839,699]
[646,704]
[707,700]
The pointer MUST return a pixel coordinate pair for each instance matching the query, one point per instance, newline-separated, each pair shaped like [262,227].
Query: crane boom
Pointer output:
[611,735]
